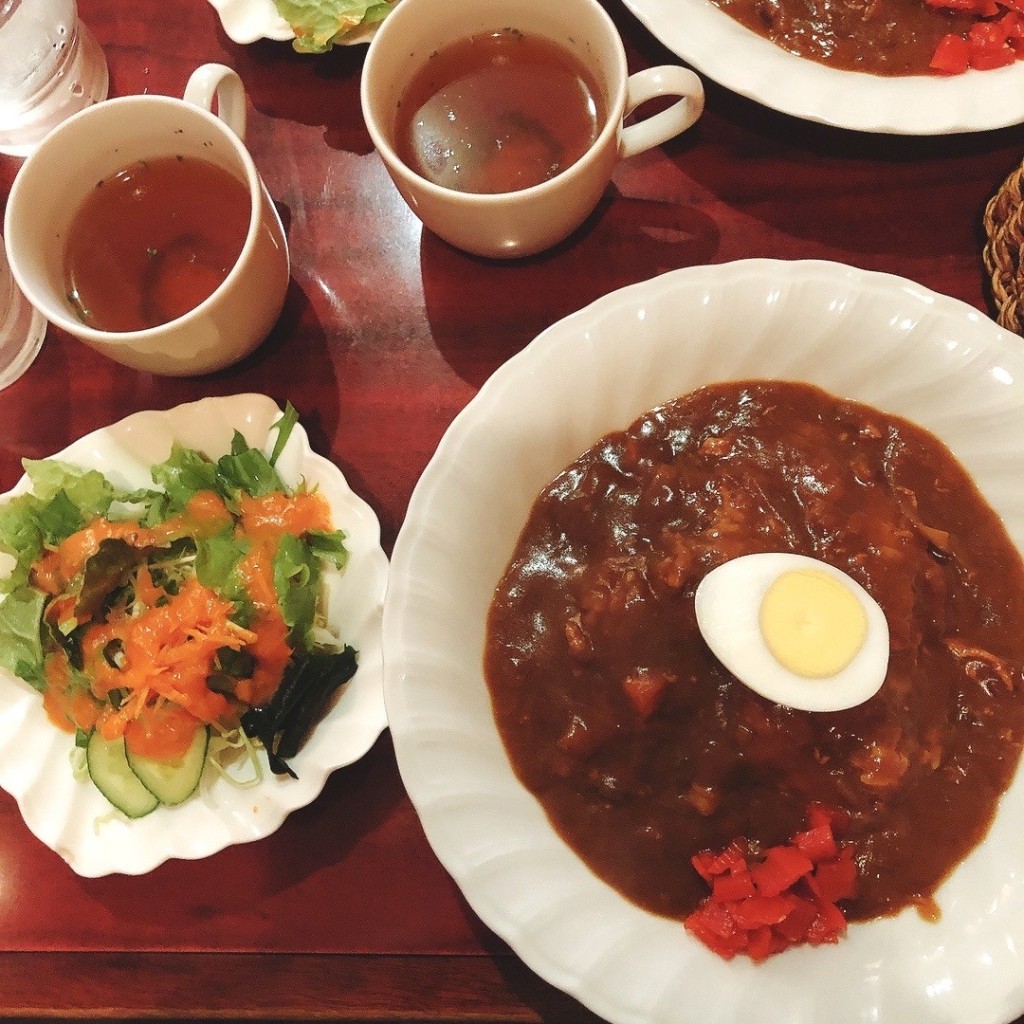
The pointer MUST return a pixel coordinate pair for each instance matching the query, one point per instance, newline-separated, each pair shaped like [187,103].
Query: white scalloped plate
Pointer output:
[732,55]
[867,336]
[245,21]
[71,816]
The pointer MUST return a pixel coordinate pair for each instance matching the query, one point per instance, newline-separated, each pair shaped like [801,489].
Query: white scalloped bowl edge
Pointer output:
[867,336]
[72,817]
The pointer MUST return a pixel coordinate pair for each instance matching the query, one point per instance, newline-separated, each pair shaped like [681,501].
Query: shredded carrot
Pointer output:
[167,651]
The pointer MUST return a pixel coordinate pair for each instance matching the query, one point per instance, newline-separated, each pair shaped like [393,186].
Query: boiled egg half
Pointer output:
[795,630]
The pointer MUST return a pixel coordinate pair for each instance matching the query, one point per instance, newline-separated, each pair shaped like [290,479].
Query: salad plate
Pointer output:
[245,21]
[729,53]
[875,338]
[68,813]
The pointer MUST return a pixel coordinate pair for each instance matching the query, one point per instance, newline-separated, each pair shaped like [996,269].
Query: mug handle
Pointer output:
[665,80]
[218,81]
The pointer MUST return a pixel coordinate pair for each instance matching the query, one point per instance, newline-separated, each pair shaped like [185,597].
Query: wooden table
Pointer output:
[387,333]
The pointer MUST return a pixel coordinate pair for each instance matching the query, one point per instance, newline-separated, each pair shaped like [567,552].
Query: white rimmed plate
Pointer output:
[867,336]
[245,21]
[70,816]
[732,55]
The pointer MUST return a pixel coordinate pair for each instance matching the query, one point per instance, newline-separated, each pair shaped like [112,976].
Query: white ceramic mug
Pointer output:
[511,224]
[100,141]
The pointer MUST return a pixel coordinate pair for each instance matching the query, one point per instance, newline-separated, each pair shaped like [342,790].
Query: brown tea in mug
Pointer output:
[153,241]
[498,112]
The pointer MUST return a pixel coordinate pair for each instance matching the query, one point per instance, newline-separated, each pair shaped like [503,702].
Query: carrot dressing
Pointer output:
[272,515]
[205,515]
[69,708]
[265,520]
[53,571]
[162,731]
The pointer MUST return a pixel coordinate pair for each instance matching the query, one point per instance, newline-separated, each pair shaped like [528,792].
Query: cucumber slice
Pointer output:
[173,783]
[109,771]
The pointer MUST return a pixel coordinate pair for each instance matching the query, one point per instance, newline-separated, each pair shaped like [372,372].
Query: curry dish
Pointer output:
[600,591]
[897,37]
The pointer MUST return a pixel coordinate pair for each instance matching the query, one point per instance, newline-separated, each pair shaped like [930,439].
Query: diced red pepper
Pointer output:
[986,35]
[712,924]
[986,58]
[761,906]
[952,55]
[1012,24]
[995,40]
[836,879]
[781,868]
[819,814]
[736,886]
[828,926]
[709,865]
[762,910]
[817,843]
[761,944]
[798,921]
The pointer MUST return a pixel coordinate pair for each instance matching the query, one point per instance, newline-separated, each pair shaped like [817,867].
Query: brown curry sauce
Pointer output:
[600,587]
[897,37]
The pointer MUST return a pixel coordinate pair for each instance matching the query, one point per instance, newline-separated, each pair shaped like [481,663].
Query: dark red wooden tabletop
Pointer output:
[387,333]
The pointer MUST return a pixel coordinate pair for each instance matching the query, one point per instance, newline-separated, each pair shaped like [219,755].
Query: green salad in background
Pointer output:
[319,24]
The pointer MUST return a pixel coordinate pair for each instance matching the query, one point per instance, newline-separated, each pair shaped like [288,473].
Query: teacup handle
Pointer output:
[665,80]
[217,81]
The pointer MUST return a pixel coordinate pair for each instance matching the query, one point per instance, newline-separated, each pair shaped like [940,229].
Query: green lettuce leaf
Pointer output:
[329,546]
[216,559]
[21,647]
[64,498]
[297,582]
[185,472]
[246,470]
[319,24]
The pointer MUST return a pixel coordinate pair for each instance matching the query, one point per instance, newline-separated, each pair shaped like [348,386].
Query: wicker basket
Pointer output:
[1004,228]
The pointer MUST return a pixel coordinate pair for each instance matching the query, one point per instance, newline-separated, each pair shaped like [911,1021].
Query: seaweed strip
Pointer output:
[283,723]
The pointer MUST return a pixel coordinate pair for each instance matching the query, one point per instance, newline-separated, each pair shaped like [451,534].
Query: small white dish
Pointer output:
[71,816]
[732,55]
[245,21]
[867,336]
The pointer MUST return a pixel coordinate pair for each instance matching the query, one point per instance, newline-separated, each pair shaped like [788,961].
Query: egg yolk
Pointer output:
[812,624]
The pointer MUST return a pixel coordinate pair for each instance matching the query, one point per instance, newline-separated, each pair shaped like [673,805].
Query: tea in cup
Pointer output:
[501,121]
[142,227]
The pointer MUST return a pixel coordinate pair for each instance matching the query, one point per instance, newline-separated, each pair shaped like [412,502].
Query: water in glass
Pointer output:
[50,68]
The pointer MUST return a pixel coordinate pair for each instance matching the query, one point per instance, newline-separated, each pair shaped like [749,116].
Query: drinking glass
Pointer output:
[21,326]
[50,68]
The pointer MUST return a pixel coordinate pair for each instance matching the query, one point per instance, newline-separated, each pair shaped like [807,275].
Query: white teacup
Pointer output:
[510,224]
[100,141]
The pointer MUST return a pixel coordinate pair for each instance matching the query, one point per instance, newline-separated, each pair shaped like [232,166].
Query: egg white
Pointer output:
[728,602]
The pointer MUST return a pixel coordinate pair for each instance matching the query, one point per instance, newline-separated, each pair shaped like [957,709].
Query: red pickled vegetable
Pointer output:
[952,55]
[760,905]
[995,40]
[780,870]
